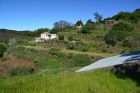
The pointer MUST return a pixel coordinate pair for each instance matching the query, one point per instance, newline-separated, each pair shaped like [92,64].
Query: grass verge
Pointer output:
[65,81]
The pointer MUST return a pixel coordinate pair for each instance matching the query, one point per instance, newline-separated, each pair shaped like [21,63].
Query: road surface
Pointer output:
[112,61]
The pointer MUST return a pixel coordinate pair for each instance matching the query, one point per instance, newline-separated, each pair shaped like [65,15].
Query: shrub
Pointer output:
[79,43]
[84,48]
[2,49]
[81,60]
[21,48]
[3,59]
[20,70]
[61,55]
[105,28]
[69,55]
[61,37]
[71,45]
[32,44]
[123,26]
[75,39]
[70,38]
[86,30]
[104,50]
[92,57]
[55,49]
[81,46]
[119,32]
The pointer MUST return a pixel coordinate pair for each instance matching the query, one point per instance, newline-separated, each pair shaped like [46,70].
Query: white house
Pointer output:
[79,27]
[47,36]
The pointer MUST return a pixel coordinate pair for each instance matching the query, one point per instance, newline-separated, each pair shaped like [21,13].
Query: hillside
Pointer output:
[66,81]
[49,66]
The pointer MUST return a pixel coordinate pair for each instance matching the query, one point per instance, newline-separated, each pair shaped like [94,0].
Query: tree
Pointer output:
[90,24]
[61,25]
[89,21]
[69,27]
[2,49]
[40,30]
[98,17]
[79,22]
[122,16]
[86,30]
[54,31]
[119,32]
[133,17]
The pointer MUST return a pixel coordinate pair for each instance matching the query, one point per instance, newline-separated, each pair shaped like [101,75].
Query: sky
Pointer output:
[35,14]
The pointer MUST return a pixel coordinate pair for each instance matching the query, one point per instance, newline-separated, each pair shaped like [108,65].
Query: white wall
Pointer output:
[44,36]
[47,37]
[53,36]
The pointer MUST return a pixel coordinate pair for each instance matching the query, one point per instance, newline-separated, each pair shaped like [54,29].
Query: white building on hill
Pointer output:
[47,36]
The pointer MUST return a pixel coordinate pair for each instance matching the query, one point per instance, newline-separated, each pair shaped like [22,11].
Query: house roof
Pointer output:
[47,33]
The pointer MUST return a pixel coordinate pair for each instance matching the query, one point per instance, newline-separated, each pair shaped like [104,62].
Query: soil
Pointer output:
[12,62]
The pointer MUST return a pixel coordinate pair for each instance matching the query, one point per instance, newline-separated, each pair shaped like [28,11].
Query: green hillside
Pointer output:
[66,81]
[49,66]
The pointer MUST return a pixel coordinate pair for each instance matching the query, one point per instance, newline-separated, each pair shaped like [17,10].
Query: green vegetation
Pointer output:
[86,30]
[119,32]
[61,37]
[98,17]
[80,60]
[70,38]
[56,60]
[2,49]
[65,81]
[19,71]
[79,22]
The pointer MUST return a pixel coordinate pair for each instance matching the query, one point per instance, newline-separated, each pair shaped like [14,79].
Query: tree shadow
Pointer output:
[128,70]
[133,56]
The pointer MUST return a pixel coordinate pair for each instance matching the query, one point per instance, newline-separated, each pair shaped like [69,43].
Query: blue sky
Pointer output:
[34,14]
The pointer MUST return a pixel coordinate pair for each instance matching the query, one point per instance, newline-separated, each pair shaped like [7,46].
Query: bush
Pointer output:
[71,45]
[70,38]
[104,50]
[69,55]
[55,49]
[119,32]
[32,44]
[3,59]
[76,39]
[79,43]
[61,37]
[20,48]
[81,46]
[84,48]
[123,26]
[86,30]
[81,60]
[2,49]
[21,70]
